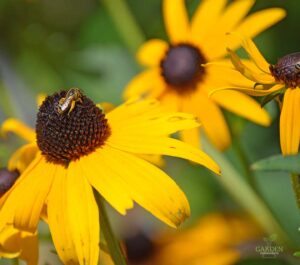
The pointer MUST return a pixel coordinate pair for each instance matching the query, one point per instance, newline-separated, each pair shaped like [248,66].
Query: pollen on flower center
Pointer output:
[181,67]
[65,137]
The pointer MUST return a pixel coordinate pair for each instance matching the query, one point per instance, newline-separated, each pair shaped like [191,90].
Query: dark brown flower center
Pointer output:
[66,136]
[287,70]
[7,179]
[181,67]
[139,248]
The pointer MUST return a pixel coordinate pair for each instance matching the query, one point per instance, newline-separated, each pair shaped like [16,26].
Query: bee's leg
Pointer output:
[72,106]
[80,100]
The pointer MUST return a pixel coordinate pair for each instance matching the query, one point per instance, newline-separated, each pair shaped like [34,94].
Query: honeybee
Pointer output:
[69,101]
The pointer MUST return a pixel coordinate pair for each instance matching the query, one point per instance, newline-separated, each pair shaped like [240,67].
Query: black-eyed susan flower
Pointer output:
[175,74]
[13,242]
[79,148]
[217,239]
[280,81]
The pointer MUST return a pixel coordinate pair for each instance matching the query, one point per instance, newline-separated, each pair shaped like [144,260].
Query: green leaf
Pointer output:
[297,254]
[279,163]
[270,97]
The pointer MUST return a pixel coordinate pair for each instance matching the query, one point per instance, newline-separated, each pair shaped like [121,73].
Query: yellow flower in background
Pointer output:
[79,149]
[13,242]
[264,79]
[216,239]
[175,74]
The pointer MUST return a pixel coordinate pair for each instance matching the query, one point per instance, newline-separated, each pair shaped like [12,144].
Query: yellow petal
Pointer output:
[205,16]
[19,128]
[224,256]
[40,99]
[211,118]
[81,203]
[254,53]
[149,186]
[242,105]
[59,221]
[142,84]
[29,245]
[164,146]
[250,91]
[156,124]
[191,136]
[251,26]
[104,179]
[10,242]
[152,52]
[289,122]
[232,15]
[176,20]
[22,157]
[258,77]
[157,160]
[259,21]
[25,211]
[135,108]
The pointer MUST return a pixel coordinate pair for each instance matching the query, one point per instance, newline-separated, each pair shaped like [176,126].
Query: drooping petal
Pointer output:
[142,84]
[255,76]
[176,20]
[152,52]
[289,122]
[22,157]
[250,91]
[25,211]
[19,128]
[254,54]
[211,118]
[242,105]
[83,216]
[148,186]
[205,16]
[59,221]
[103,178]
[141,144]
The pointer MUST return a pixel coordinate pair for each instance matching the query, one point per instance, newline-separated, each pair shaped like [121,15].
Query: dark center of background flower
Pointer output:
[7,179]
[287,70]
[65,137]
[139,247]
[181,67]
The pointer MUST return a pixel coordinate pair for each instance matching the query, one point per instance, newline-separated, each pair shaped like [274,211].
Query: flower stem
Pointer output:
[111,241]
[125,23]
[296,187]
[245,163]
[239,189]
[15,261]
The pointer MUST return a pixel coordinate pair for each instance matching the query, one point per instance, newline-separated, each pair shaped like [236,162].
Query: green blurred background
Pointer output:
[47,45]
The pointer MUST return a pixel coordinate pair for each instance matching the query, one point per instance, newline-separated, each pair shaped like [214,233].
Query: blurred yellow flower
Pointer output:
[15,243]
[263,79]
[214,240]
[82,149]
[176,75]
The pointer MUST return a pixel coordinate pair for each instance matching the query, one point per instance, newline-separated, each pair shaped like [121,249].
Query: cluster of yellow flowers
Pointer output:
[80,149]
